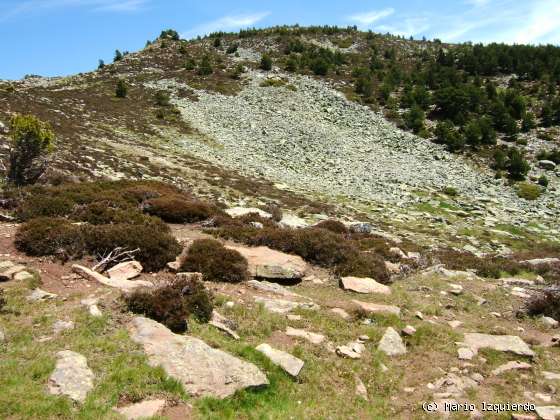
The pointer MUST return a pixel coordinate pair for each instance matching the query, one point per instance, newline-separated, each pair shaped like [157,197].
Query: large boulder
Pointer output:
[547,164]
[364,285]
[125,271]
[267,263]
[505,343]
[203,370]
[391,343]
[71,377]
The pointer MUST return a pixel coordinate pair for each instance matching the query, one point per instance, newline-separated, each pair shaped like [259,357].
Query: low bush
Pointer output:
[156,245]
[332,225]
[490,267]
[50,236]
[3,301]
[173,303]
[215,262]
[546,304]
[528,191]
[44,206]
[176,209]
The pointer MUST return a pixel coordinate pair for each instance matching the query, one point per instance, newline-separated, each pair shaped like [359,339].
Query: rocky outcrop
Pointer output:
[267,263]
[505,343]
[203,370]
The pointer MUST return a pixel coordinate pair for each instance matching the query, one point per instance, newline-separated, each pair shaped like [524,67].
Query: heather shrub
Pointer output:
[546,304]
[215,262]
[156,245]
[332,225]
[173,303]
[44,206]
[3,301]
[176,209]
[50,236]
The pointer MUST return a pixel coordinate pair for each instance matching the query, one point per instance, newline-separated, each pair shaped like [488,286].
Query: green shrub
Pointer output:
[157,246]
[31,141]
[121,90]
[3,301]
[44,206]
[543,181]
[450,191]
[172,303]
[215,262]
[176,209]
[205,66]
[162,98]
[49,236]
[266,62]
[332,225]
[528,191]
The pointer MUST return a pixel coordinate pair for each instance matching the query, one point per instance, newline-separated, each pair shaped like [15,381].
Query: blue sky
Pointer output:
[59,37]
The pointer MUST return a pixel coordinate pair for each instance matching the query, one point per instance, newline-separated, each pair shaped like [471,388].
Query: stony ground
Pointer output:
[356,363]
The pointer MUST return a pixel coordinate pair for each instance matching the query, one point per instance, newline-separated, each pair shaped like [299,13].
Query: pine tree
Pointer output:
[121,90]
[266,62]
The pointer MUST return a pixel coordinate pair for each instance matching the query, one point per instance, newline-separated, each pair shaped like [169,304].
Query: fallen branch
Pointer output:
[117,255]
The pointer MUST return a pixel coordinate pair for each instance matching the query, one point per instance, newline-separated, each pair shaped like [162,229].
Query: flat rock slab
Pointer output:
[286,361]
[505,343]
[222,323]
[352,350]
[71,377]
[275,288]
[364,285]
[391,343]
[243,211]
[292,221]
[374,308]
[124,285]
[125,271]
[313,338]
[281,306]
[202,370]
[23,276]
[267,263]
[39,295]
[511,366]
[142,410]
[549,412]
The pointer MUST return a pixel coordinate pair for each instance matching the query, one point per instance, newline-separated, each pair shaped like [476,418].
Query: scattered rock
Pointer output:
[549,322]
[361,390]
[39,295]
[202,370]
[242,211]
[455,289]
[454,324]
[60,326]
[541,261]
[71,377]
[142,410]
[124,285]
[465,353]
[125,271]
[341,313]
[23,276]
[550,412]
[455,385]
[419,315]
[223,324]
[2,336]
[281,306]
[505,343]
[267,263]
[286,361]
[313,338]
[511,366]
[352,350]
[514,281]
[10,271]
[292,317]
[375,308]
[364,285]
[391,343]
[409,330]
[93,309]
[292,221]
[547,164]
[266,286]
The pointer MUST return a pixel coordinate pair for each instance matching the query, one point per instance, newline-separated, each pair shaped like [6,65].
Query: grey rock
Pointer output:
[286,361]
[547,164]
[505,343]
[39,295]
[275,288]
[223,324]
[142,410]
[549,412]
[71,377]
[281,306]
[514,365]
[364,285]
[125,271]
[267,263]
[374,308]
[391,343]
[60,326]
[203,370]
[313,338]
[124,285]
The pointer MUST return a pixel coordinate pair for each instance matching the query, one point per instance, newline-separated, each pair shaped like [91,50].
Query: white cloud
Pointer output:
[542,25]
[226,23]
[367,18]
[407,27]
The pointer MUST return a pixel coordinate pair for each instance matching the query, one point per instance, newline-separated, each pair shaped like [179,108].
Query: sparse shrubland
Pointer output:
[173,302]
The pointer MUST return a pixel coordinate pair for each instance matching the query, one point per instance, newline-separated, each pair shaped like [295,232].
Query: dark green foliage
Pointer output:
[215,262]
[45,206]
[266,62]
[516,165]
[332,225]
[500,159]
[447,134]
[364,86]
[173,302]
[414,119]
[31,140]
[553,155]
[177,209]
[121,90]
[232,49]
[118,56]
[528,122]
[162,98]
[545,304]
[543,181]
[169,34]
[50,236]
[205,66]
[320,66]
[217,42]
[101,65]
[190,64]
